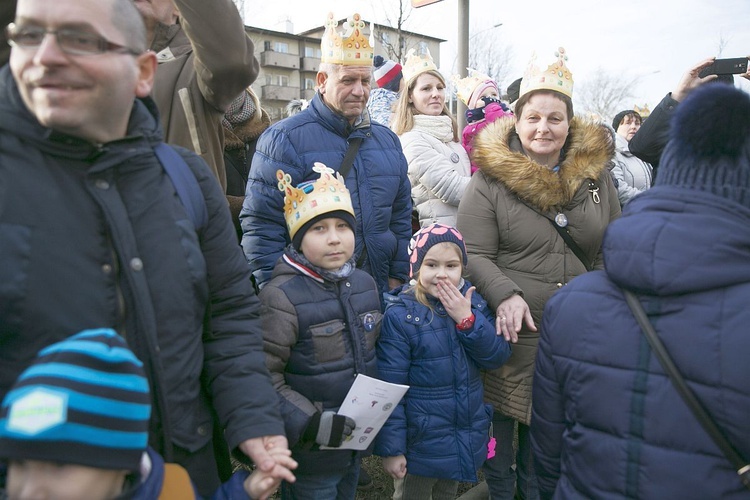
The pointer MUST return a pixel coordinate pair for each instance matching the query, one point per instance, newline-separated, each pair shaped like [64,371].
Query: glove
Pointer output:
[329,428]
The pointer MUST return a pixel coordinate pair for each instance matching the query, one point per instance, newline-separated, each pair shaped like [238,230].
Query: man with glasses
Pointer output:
[92,234]
[205,61]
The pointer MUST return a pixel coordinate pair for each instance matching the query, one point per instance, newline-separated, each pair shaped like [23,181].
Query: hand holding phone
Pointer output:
[733,66]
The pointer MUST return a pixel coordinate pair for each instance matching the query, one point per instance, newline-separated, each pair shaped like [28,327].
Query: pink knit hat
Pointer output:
[478,92]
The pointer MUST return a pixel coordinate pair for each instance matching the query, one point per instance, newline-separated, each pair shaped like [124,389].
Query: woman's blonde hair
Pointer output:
[402,119]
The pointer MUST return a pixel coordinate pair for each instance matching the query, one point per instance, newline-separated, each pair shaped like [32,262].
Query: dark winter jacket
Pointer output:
[318,335]
[442,424]
[648,143]
[377,181]
[607,421]
[93,236]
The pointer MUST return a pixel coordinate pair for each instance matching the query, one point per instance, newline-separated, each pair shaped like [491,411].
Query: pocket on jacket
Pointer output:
[328,341]
[371,322]
[416,431]
[15,253]
[193,424]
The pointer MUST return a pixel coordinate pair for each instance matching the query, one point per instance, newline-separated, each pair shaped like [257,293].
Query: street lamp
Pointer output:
[462,71]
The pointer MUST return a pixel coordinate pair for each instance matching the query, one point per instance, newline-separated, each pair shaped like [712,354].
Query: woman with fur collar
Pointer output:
[540,169]
[439,167]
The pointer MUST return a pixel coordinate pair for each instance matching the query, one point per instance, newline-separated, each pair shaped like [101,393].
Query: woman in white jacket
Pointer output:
[632,174]
[439,168]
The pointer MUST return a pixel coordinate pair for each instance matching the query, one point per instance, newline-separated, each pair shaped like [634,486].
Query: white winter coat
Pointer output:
[439,169]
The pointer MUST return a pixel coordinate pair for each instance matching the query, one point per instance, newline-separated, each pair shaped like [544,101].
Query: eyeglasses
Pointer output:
[70,41]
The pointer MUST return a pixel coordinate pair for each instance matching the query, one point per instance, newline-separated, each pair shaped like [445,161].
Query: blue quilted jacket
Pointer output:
[379,186]
[606,420]
[442,424]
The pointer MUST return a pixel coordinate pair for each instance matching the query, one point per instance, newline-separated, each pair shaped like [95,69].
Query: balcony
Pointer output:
[279,59]
[310,64]
[308,94]
[279,93]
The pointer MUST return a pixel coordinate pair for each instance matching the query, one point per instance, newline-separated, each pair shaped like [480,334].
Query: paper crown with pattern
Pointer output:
[312,198]
[556,77]
[465,87]
[417,63]
[351,48]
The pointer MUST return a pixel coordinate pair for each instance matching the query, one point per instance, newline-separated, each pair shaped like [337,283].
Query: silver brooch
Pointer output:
[454,157]
[561,219]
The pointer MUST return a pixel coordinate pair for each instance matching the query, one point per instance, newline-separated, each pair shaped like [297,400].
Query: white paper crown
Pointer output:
[416,64]
[556,77]
[313,198]
[351,48]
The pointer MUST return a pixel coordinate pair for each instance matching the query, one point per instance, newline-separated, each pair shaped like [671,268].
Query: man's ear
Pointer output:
[320,80]
[147,64]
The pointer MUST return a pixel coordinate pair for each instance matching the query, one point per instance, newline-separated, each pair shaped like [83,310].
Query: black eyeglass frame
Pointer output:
[103,45]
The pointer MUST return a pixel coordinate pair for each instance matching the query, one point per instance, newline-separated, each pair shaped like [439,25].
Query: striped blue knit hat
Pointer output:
[83,401]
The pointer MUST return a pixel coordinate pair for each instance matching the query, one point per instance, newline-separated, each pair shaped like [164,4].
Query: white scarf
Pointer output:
[440,127]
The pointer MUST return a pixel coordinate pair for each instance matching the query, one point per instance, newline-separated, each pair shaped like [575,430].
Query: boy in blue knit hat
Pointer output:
[75,425]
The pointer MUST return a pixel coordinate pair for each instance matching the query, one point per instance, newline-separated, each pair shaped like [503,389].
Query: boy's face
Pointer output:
[32,479]
[328,244]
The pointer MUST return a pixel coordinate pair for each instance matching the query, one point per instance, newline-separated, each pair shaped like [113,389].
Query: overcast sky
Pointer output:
[657,40]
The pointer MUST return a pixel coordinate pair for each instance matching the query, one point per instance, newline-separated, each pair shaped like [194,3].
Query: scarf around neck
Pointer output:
[440,127]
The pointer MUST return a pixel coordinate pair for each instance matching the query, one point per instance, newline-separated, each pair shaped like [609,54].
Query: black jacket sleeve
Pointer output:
[648,143]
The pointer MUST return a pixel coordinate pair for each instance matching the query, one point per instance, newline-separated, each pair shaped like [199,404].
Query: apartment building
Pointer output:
[289,62]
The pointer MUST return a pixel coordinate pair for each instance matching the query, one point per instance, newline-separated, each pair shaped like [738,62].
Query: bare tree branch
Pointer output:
[605,93]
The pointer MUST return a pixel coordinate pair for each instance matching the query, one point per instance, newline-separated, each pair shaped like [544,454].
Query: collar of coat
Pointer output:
[497,154]
[246,131]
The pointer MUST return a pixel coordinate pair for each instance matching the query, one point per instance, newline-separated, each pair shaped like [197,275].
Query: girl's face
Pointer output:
[428,95]
[35,479]
[442,262]
[488,92]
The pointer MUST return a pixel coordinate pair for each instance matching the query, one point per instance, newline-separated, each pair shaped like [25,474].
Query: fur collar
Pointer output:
[498,155]
[246,131]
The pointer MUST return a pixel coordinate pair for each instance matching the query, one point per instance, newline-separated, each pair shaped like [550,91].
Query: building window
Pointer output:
[313,52]
[280,80]
[267,45]
[384,38]
[309,84]
[282,47]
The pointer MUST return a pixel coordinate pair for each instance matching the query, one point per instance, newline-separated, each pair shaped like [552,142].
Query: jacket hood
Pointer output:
[16,118]
[497,153]
[672,240]
[247,131]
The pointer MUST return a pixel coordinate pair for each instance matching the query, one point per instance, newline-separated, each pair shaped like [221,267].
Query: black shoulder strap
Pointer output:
[351,153]
[185,184]
[572,244]
[741,466]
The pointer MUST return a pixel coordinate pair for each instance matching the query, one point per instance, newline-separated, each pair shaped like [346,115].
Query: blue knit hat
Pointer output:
[429,236]
[709,144]
[84,401]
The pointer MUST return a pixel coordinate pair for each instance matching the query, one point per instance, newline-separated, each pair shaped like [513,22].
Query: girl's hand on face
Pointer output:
[456,305]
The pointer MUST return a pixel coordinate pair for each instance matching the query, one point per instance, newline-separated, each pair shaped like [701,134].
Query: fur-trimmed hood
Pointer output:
[497,153]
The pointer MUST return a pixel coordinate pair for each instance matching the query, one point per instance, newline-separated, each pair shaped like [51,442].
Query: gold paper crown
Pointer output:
[465,86]
[416,64]
[313,198]
[557,76]
[353,49]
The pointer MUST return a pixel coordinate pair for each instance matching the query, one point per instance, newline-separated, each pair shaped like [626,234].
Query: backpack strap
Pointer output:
[185,184]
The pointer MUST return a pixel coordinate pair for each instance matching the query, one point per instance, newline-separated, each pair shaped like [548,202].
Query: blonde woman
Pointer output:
[439,167]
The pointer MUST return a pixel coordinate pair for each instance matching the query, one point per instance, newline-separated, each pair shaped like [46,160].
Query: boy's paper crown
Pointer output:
[351,48]
[416,64]
[466,87]
[313,198]
[556,77]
